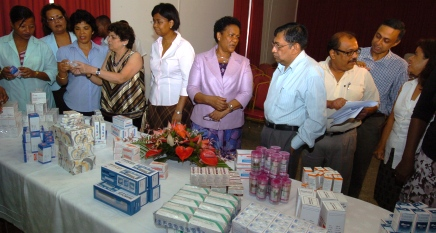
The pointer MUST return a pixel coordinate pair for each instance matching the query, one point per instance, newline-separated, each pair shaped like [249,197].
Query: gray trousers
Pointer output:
[368,136]
[282,138]
[335,151]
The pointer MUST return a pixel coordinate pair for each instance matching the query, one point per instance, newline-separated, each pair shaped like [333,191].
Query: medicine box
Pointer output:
[10,108]
[35,139]
[172,219]
[124,178]
[122,122]
[153,193]
[44,153]
[118,132]
[432,221]
[118,198]
[403,219]
[310,209]
[34,122]
[152,175]
[422,218]
[332,216]
[38,97]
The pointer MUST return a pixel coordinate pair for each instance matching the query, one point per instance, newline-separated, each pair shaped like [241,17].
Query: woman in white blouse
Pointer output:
[170,62]
[393,140]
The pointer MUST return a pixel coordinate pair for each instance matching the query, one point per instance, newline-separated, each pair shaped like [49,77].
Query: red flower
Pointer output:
[180,130]
[209,157]
[184,152]
[153,152]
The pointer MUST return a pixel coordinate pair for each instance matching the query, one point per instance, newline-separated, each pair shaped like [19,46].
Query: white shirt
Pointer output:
[356,84]
[403,110]
[170,72]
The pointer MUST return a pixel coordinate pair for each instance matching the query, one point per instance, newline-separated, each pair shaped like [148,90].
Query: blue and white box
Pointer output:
[152,175]
[153,193]
[124,178]
[432,221]
[35,139]
[122,122]
[34,122]
[421,221]
[403,219]
[118,198]
[44,153]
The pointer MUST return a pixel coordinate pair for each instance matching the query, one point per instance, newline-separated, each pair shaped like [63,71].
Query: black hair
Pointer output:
[44,22]
[124,31]
[294,33]
[335,41]
[396,24]
[18,13]
[428,47]
[221,24]
[82,16]
[103,19]
[169,12]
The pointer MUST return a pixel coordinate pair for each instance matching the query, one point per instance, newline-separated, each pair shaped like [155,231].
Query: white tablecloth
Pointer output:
[46,198]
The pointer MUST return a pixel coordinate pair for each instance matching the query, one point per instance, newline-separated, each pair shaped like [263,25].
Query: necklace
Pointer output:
[115,64]
[223,59]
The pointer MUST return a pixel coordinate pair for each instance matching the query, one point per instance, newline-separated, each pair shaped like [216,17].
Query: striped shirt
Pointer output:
[389,74]
[297,97]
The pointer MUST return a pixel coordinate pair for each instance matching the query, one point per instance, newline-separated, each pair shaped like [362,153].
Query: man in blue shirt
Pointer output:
[295,107]
[389,72]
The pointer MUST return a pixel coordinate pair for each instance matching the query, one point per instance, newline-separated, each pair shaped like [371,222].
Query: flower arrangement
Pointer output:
[176,142]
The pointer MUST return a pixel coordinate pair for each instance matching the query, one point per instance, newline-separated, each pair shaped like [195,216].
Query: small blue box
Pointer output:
[153,193]
[124,178]
[152,175]
[118,198]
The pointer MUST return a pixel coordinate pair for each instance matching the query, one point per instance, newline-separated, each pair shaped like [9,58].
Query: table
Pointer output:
[45,198]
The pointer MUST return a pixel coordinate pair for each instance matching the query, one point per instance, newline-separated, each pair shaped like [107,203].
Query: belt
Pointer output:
[378,114]
[331,134]
[281,127]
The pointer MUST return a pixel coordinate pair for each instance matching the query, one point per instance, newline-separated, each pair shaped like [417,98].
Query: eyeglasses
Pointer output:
[349,53]
[277,46]
[56,18]
[160,22]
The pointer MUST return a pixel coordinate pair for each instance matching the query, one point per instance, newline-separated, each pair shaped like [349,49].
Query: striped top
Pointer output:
[127,99]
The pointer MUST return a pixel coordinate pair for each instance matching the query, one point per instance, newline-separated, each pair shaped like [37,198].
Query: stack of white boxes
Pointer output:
[243,163]
[196,209]
[38,104]
[217,179]
[127,185]
[74,140]
[410,217]
[321,178]
[323,208]
[256,218]
[99,125]
[10,120]
[123,127]
[160,167]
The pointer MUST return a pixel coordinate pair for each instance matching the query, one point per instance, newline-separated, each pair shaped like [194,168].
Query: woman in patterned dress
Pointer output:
[121,77]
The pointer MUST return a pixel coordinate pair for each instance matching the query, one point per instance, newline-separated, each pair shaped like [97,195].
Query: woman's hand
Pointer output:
[6,73]
[82,68]
[217,115]
[379,153]
[218,103]
[404,169]
[177,118]
[64,66]
[26,72]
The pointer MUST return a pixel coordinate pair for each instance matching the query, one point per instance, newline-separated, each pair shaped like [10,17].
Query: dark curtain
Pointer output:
[363,17]
[34,5]
[95,7]
[241,12]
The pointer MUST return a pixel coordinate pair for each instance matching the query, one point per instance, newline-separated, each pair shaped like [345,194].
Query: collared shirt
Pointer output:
[82,95]
[170,72]
[297,96]
[389,75]
[50,40]
[355,85]
[38,57]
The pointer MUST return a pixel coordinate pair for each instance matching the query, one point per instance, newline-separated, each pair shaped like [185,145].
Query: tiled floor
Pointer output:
[251,139]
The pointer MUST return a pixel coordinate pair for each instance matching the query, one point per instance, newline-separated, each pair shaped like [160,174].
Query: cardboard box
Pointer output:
[310,209]
[124,178]
[118,198]
[332,216]
[300,193]
[44,153]
[122,122]
[34,122]
[403,219]
[432,221]
[152,175]
[76,166]
[38,97]
[421,222]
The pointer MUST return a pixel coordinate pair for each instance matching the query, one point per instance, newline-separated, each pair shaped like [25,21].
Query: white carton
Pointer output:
[34,122]
[342,199]
[337,183]
[131,152]
[124,178]
[10,108]
[102,129]
[332,216]
[122,122]
[38,97]
[403,219]
[159,166]
[324,195]
[300,193]
[310,209]
[152,175]
[35,139]
[44,153]
[432,222]
[421,222]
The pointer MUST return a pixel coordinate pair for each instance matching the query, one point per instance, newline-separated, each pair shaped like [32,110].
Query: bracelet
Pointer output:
[231,107]
[36,74]
[63,77]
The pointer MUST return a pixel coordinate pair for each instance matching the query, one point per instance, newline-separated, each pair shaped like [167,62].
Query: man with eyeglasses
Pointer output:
[295,104]
[389,72]
[344,81]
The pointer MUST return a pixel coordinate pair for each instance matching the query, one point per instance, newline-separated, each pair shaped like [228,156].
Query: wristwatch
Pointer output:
[97,72]
[231,107]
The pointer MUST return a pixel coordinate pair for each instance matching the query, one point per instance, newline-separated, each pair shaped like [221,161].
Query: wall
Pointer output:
[197,20]
[287,10]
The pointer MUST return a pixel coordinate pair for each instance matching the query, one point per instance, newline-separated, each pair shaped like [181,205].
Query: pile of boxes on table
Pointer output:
[256,218]
[218,179]
[267,170]
[410,217]
[74,143]
[99,125]
[323,178]
[41,142]
[127,185]
[10,120]
[38,105]
[195,209]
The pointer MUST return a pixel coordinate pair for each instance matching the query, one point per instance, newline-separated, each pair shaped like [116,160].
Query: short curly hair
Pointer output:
[221,24]
[124,31]
[82,16]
